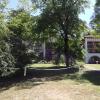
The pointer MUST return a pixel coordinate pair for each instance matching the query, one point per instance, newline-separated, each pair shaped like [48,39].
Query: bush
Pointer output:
[14,53]
[19,50]
[7,61]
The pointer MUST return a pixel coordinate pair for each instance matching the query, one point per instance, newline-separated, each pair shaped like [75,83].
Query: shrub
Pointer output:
[7,61]
[19,50]
[14,53]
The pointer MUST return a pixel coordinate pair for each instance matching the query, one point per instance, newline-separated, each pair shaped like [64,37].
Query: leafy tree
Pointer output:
[64,14]
[21,23]
[16,36]
[76,41]
[3,25]
[26,5]
[7,61]
[3,4]
[21,26]
[95,23]
[19,50]
[4,31]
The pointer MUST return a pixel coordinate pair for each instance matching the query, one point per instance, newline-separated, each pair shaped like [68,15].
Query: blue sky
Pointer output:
[84,16]
[13,4]
[88,12]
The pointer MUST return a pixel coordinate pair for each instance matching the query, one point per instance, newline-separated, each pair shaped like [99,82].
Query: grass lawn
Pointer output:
[93,66]
[42,89]
[56,87]
[90,66]
[45,65]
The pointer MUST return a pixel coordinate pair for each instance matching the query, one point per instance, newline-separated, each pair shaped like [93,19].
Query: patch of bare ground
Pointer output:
[51,90]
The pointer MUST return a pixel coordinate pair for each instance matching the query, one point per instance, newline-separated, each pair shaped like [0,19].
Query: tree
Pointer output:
[19,50]
[4,31]
[95,22]
[64,14]
[26,5]
[3,4]
[21,24]
[3,25]
[76,41]
[7,61]
[15,40]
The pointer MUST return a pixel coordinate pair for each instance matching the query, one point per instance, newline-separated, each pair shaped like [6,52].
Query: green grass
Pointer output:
[96,66]
[80,63]
[42,65]
[45,65]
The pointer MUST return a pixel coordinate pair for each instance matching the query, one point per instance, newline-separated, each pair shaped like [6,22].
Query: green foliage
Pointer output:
[76,41]
[3,4]
[21,23]
[26,5]
[95,23]
[7,61]
[19,50]
[3,27]
[62,16]
[15,51]
[21,26]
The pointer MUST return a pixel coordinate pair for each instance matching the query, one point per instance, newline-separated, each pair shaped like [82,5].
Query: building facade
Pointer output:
[92,50]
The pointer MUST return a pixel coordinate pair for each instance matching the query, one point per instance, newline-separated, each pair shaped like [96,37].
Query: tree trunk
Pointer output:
[66,50]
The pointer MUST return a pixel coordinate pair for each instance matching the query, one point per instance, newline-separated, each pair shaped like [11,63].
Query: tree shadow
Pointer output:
[33,78]
[50,71]
[93,76]
[17,81]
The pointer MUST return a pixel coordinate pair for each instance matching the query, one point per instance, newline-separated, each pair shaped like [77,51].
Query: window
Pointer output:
[93,47]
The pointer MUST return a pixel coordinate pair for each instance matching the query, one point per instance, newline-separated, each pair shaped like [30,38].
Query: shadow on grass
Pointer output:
[50,71]
[34,77]
[93,76]
[18,81]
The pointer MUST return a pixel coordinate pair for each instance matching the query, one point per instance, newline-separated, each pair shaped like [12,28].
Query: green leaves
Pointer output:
[21,23]
[95,23]
[7,61]
[3,4]
[4,31]
[62,16]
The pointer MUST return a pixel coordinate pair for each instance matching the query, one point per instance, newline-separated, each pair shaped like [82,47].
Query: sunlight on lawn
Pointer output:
[46,65]
[97,66]
[80,62]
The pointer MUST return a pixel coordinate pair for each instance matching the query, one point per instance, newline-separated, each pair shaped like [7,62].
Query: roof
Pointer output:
[93,36]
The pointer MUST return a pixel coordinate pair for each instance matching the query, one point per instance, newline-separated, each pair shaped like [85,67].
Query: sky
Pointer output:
[84,16]
[88,12]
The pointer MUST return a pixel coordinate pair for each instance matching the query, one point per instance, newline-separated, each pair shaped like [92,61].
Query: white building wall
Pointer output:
[89,55]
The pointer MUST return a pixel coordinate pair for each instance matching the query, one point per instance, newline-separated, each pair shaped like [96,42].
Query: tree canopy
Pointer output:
[95,23]
[64,15]
[58,22]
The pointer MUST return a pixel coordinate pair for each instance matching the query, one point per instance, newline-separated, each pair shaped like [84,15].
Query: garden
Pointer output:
[42,55]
